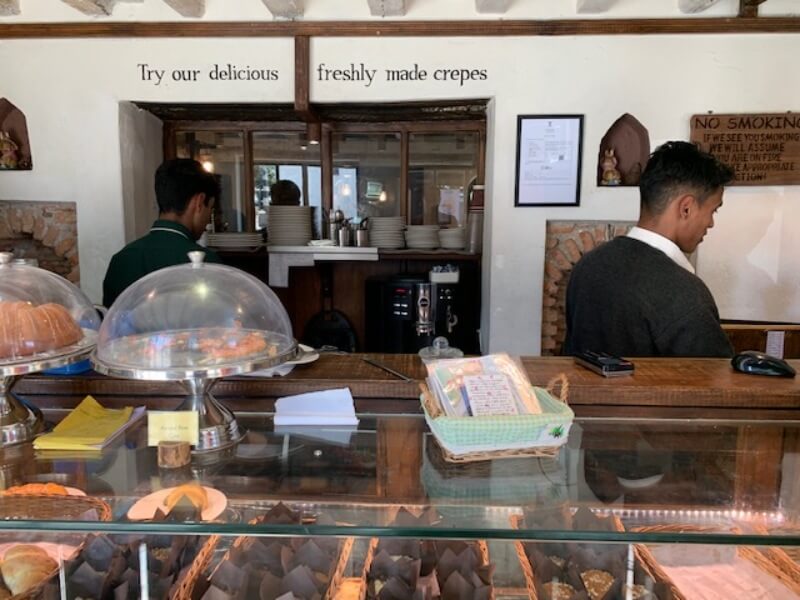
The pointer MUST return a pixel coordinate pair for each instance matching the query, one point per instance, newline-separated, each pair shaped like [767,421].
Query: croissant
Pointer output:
[26,566]
[193,492]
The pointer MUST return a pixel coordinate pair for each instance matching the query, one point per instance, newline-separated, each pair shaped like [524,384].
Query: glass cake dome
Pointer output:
[194,321]
[45,322]
[43,317]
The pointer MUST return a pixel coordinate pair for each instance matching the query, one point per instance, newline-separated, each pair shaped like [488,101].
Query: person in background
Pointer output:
[185,193]
[638,294]
[284,193]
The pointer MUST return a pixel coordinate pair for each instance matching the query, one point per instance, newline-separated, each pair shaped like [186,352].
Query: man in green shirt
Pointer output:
[185,193]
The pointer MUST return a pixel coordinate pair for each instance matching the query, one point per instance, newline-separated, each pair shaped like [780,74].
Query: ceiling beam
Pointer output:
[92,7]
[387,8]
[188,8]
[285,9]
[9,7]
[593,6]
[492,6]
[749,8]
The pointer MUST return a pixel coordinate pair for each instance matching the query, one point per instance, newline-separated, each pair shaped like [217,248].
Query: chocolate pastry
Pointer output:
[228,577]
[270,587]
[214,593]
[300,582]
[597,583]
[558,591]
[558,561]
[639,592]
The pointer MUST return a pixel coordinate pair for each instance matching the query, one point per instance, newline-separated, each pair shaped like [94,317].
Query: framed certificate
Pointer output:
[548,160]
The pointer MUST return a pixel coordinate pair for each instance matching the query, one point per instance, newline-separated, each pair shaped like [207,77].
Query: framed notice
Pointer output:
[548,160]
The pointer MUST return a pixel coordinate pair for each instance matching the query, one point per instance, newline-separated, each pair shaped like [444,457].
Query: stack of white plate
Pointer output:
[233,241]
[452,238]
[422,237]
[386,232]
[289,225]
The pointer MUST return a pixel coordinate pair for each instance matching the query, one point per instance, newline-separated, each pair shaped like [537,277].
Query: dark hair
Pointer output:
[677,167]
[178,180]
[284,192]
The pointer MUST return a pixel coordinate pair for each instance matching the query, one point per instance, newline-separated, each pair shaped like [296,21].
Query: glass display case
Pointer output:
[629,509]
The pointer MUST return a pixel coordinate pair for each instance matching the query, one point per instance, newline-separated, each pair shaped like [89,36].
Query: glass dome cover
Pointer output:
[44,319]
[194,321]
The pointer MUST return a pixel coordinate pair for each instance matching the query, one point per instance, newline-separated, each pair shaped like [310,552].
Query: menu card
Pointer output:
[490,395]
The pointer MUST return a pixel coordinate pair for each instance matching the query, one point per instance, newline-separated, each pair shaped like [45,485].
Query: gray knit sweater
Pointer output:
[629,299]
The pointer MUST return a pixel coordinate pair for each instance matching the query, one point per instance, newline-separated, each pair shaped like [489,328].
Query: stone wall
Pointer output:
[46,231]
[566,242]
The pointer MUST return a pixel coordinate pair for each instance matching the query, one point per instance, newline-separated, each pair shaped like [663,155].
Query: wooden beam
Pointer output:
[492,6]
[302,68]
[749,8]
[194,9]
[9,7]
[691,7]
[400,28]
[387,8]
[92,7]
[285,9]
[593,6]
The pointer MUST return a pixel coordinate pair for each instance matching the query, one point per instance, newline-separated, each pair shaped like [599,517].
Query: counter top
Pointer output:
[681,387]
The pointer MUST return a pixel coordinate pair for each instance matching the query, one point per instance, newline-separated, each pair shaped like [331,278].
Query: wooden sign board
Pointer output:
[763,149]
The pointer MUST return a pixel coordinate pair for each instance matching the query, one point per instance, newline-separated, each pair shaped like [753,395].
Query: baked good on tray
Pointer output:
[37,489]
[26,329]
[25,566]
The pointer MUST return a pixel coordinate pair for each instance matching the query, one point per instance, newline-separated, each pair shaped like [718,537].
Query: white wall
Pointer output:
[141,151]
[71,89]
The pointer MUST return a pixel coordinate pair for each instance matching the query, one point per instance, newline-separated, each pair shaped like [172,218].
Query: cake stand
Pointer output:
[218,428]
[20,421]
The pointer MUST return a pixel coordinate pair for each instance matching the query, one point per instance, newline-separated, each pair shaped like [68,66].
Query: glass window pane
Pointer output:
[441,166]
[286,155]
[221,153]
[366,174]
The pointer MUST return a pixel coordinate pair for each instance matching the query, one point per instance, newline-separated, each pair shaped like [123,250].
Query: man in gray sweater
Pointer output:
[637,295]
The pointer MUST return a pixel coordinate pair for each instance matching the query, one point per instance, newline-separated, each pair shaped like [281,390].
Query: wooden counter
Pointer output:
[679,388]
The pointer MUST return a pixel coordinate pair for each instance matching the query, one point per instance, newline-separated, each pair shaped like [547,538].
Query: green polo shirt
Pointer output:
[167,244]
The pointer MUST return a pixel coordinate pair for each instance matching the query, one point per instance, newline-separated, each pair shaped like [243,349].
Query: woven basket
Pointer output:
[774,562]
[345,548]
[21,507]
[185,588]
[483,549]
[18,507]
[527,568]
[490,438]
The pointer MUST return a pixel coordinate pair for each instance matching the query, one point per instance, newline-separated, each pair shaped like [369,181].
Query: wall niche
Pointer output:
[15,149]
[623,153]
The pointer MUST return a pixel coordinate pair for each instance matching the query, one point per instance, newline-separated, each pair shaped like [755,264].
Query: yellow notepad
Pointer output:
[87,427]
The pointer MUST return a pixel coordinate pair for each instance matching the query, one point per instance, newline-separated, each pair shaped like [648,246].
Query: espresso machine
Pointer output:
[405,313]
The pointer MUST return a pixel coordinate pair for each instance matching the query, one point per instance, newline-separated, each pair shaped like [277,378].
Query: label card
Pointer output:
[172,426]
[490,395]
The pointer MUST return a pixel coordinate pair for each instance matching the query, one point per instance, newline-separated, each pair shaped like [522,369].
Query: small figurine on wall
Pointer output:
[9,157]
[611,175]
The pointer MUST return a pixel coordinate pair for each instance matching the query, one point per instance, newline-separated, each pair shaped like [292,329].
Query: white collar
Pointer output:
[659,242]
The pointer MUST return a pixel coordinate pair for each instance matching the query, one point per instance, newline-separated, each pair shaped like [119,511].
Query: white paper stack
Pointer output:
[330,407]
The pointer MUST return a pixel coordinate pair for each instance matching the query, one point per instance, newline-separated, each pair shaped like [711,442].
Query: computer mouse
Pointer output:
[758,363]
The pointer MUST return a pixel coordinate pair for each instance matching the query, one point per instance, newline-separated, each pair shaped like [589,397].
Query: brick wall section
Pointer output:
[46,231]
[566,242]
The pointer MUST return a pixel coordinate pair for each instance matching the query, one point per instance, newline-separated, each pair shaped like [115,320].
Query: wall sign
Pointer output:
[548,160]
[763,149]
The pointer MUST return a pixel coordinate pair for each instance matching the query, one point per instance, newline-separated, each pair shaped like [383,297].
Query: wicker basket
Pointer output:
[527,568]
[200,566]
[483,549]
[22,507]
[503,437]
[185,588]
[774,562]
[33,507]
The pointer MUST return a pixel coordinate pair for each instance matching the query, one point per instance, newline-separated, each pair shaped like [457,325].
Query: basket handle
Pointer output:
[561,379]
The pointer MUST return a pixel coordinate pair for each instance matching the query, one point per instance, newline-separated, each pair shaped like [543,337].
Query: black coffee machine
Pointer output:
[405,313]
